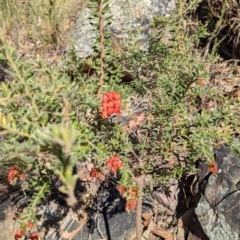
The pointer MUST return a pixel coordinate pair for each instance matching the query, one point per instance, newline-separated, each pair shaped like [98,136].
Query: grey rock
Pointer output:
[215,225]
[3,209]
[83,34]
[219,208]
[107,219]
[127,17]
[119,227]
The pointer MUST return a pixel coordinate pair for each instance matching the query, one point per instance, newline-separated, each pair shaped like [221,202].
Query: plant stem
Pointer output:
[101,23]
[139,182]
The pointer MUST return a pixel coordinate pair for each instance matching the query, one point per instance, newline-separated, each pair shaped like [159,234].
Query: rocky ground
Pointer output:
[201,206]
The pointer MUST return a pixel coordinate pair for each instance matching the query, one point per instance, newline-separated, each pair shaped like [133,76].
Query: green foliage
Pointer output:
[187,119]
[35,118]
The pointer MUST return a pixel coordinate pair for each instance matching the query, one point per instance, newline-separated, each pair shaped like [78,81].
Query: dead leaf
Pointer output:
[147,233]
[146,217]
[164,234]
[158,231]
[180,231]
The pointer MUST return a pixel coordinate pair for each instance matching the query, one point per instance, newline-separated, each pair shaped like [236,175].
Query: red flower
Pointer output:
[22,176]
[95,172]
[12,174]
[114,163]
[17,235]
[34,236]
[213,167]
[131,204]
[129,193]
[116,96]
[30,225]
[111,103]
[121,189]
[134,192]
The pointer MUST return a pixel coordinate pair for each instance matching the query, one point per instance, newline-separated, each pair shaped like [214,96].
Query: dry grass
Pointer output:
[37,27]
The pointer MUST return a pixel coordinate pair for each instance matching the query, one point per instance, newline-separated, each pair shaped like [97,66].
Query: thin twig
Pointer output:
[101,28]
[233,207]
[139,182]
[98,227]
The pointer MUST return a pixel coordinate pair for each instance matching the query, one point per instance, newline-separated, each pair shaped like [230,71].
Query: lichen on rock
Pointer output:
[126,17]
[218,206]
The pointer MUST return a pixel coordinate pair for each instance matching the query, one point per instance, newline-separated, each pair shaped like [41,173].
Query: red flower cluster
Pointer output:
[23,230]
[131,204]
[13,174]
[130,194]
[213,167]
[17,235]
[95,172]
[111,103]
[114,163]
[33,236]
[30,225]
[121,189]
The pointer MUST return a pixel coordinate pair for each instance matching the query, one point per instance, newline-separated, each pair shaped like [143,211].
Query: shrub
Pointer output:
[171,113]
